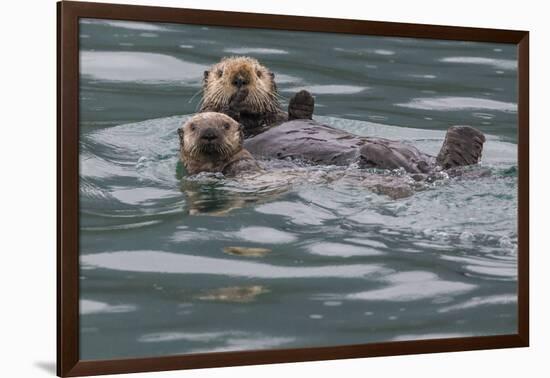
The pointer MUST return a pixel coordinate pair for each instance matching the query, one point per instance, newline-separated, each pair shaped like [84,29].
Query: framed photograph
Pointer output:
[239,188]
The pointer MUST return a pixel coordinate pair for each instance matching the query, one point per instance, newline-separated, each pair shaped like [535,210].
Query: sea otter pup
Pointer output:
[246,91]
[213,142]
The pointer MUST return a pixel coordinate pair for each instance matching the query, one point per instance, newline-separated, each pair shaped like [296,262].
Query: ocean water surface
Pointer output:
[299,256]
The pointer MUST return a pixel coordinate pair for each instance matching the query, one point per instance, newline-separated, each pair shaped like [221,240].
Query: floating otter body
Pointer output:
[316,143]
[246,91]
[213,142]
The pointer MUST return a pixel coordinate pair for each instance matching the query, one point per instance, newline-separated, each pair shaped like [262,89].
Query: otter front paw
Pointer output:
[237,102]
[235,105]
[301,106]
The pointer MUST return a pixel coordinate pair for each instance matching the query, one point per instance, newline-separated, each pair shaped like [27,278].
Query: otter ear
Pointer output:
[180,134]
[272,75]
[205,77]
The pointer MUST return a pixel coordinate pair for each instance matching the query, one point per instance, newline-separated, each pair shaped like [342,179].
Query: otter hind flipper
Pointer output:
[301,106]
[462,146]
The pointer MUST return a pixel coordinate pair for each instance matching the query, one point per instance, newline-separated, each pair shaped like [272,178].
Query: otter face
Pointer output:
[210,136]
[240,82]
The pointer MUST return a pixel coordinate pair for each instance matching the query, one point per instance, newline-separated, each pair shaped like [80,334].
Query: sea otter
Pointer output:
[246,91]
[213,142]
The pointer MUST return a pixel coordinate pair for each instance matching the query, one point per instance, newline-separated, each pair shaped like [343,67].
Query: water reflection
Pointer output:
[413,286]
[165,262]
[138,66]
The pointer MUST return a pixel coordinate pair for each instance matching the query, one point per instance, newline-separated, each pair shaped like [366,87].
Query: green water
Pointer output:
[344,265]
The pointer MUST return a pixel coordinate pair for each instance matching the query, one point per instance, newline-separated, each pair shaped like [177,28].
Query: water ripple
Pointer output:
[458,103]
[138,66]
[506,64]
[413,286]
[165,262]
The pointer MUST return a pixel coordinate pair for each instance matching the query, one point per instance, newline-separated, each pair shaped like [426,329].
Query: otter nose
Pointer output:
[239,81]
[209,135]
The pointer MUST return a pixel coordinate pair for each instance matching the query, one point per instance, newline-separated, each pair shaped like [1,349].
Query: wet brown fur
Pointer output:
[223,153]
[246,91]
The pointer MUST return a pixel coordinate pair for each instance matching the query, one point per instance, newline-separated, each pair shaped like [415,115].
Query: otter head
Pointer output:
[240,83]
[209,139]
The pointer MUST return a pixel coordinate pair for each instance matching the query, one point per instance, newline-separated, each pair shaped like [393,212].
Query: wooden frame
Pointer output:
[68,363]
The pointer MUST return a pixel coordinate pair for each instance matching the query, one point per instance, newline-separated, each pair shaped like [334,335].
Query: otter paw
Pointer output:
[237,101]
[463,145]
[301,106]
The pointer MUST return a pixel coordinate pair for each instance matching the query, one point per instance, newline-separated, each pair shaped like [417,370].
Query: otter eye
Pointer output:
[219,73]
[192,127]
[259,73]
[226,126]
